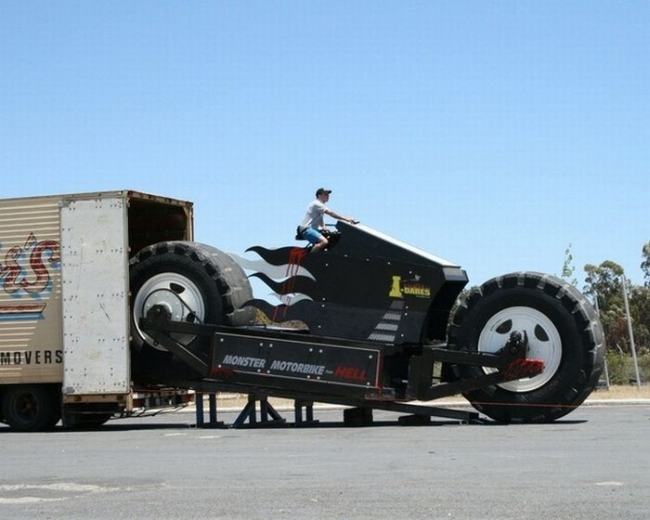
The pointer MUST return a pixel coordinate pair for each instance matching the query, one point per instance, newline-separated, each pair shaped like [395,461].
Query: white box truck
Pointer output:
[64,301]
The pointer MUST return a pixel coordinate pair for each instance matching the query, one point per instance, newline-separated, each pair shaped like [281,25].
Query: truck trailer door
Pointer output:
[94,253]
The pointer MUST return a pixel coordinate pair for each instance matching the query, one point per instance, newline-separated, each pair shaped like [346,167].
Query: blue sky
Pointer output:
[492,134]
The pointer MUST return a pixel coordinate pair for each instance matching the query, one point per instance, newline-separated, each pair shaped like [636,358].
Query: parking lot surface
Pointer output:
[593,465]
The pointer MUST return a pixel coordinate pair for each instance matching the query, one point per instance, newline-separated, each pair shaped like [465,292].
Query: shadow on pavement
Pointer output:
[133,424]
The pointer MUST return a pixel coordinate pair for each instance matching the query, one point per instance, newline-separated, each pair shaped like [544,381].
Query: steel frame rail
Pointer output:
[159,326]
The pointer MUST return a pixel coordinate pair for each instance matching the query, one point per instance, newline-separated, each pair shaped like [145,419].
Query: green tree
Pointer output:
[645,265]
[640,312]
[568,268]
[605,283]
[640,305]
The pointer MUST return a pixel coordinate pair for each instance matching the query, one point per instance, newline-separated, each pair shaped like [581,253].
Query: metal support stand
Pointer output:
[249,413]
[414,420]
[212,410]
[360,416]
[309,413]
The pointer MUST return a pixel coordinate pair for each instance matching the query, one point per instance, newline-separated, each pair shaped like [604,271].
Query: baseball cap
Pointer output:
[320,191]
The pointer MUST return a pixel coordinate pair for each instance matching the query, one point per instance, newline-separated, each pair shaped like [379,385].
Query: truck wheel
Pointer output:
[31,408]
[563,330]
[196,283]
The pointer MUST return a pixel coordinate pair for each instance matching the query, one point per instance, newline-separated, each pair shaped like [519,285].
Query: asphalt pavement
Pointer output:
[595,464]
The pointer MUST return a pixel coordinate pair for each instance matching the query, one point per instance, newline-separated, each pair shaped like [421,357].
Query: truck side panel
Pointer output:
[95,296]
[30,291]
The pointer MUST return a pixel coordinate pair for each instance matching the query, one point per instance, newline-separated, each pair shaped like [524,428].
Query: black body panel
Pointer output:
[291,359]
[366,287]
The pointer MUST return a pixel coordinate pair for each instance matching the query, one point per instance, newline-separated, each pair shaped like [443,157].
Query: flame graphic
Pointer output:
[293,284]
[275,272]
[275,256]
[291,298]
[281,270]
[279,313]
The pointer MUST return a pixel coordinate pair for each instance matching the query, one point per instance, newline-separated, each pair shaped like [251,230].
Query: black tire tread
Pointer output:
[585,318]
[228,276]
[49,397]
[224,284]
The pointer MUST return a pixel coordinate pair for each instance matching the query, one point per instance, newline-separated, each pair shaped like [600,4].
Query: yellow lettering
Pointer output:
[417,290]
[396,289]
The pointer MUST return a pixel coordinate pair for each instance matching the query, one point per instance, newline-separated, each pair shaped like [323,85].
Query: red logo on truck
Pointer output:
[26,271]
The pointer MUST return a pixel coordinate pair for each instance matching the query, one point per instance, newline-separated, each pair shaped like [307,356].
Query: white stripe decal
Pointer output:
[387,326]
[381,337]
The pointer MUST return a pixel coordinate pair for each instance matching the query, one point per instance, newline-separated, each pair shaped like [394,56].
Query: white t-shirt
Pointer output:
[314,216]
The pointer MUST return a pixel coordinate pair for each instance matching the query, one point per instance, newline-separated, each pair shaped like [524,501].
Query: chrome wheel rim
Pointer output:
[544,343]
[176,293]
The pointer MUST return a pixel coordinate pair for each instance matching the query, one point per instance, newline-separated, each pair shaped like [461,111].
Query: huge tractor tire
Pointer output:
[195,283]
[31,408]
[563,330]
